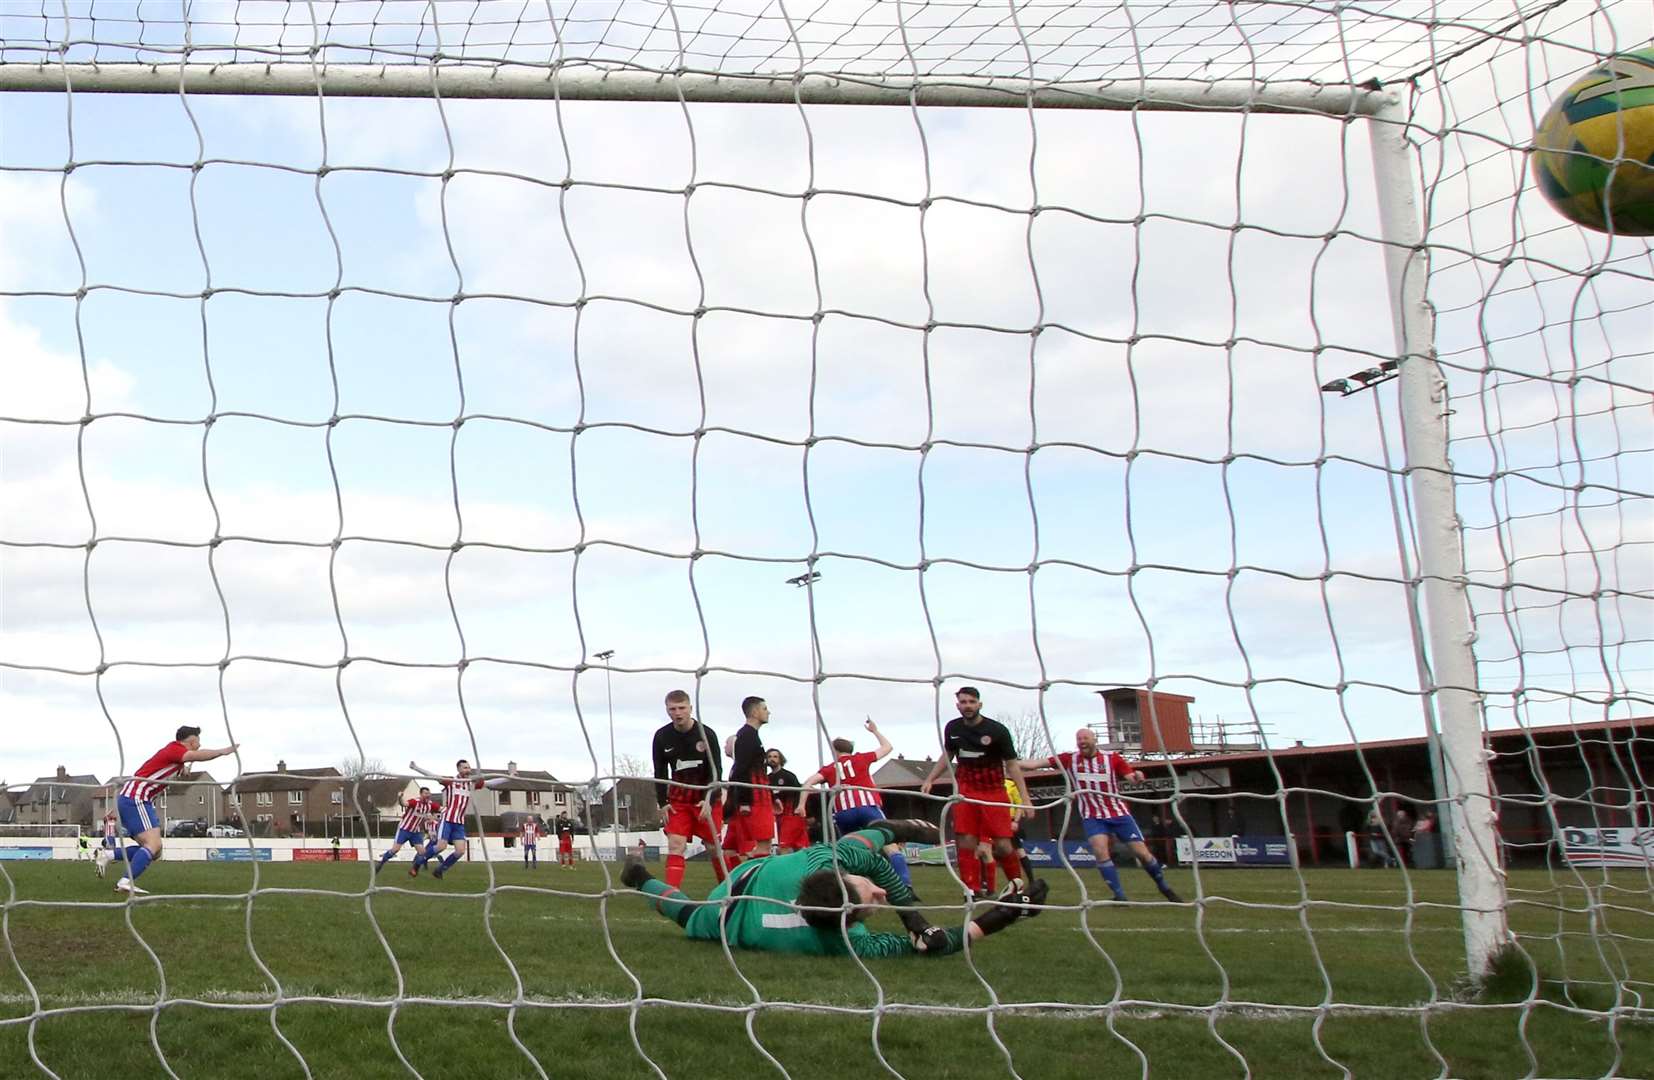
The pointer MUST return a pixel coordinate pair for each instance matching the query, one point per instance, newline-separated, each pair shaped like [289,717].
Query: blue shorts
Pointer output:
[136,817]
[856,818]
[450,832]
[1121,828]
[531,843]
[409,836]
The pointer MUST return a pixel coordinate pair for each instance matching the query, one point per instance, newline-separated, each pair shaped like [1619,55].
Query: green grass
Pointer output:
[1094,994]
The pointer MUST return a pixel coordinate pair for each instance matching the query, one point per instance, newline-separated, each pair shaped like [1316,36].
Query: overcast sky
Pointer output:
[1199,514]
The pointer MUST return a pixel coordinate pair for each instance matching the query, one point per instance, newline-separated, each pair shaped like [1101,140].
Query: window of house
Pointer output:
[235,798]
[295,798]
[264,798]
[200,800]
[336,797]
[559,798]
[505,798]
[534,798]
[262,817]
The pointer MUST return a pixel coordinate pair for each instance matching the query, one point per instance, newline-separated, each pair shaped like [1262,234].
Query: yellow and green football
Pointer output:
[1593,155]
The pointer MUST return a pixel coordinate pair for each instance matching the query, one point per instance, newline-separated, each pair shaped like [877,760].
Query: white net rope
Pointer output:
[1176,39]
[340,425]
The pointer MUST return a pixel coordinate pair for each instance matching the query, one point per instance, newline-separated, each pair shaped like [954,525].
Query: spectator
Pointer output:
[1401,830]
[1378,845]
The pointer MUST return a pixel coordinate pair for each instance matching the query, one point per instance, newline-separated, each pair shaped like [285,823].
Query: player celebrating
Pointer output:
[687,763]
[856,800]
[1095,778]
[416,814]
[456,800]
[815,902]
[791,834]
[750,821]
[137,809]
[983,753]
[565,844]
[531,842]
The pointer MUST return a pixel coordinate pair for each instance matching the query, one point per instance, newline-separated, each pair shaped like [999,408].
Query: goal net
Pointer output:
[391,381]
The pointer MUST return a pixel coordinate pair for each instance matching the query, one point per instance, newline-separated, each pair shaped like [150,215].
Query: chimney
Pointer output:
[62,773]
[281,766]
[511,767]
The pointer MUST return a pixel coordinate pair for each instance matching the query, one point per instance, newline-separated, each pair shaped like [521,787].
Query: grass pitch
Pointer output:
[315,974]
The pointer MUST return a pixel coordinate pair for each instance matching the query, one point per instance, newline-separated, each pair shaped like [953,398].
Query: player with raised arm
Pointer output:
[856,800]
[136,807]
[816,902]
[983,754]
[687,764]
[749,830]
[1095,778]
[417,813]
[791,833]
[531,842]
[456,801]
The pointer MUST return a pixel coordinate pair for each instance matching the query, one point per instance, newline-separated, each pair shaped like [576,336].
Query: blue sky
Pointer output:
[1222,458]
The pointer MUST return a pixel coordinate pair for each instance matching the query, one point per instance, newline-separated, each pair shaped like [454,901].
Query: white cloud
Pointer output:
[1134,366]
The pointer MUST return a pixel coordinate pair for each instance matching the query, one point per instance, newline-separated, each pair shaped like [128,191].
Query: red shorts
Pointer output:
[791,831]
[990,822]
[752,833]
[687,819]
[565,844]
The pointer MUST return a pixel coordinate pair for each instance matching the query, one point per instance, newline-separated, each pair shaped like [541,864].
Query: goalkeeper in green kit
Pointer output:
[815,901]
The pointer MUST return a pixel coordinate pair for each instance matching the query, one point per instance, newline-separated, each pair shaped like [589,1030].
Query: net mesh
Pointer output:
[358,428]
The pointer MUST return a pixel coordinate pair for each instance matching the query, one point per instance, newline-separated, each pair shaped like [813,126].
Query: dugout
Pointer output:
[1594,774]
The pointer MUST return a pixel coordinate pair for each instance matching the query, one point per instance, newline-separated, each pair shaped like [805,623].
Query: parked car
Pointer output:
[221,832]
[188,828]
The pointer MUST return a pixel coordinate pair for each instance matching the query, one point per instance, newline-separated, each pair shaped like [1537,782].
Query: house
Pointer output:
[527,793]
[63,799]
[638,810]
[9,798]
[287,802]
[379,800]
[187,796]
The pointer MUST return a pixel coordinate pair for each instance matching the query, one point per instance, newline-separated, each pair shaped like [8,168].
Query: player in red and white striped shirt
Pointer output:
[1094,779]
[136,805]
[530,839]
[857,803]
[416,815]
[456,802]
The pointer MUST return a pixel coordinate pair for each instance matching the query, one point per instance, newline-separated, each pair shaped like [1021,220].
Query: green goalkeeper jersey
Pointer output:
[760,916]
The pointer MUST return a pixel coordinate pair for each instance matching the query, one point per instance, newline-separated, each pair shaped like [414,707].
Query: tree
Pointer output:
[361,767]
[1032,739]
[629,765]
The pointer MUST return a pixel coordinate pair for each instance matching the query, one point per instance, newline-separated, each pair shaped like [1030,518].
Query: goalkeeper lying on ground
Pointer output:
[796,903]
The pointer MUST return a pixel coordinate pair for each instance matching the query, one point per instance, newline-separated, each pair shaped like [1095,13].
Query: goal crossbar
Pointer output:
[577,82]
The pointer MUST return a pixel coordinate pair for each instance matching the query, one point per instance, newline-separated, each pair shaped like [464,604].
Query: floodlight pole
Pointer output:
[1481,876]
[614,774]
